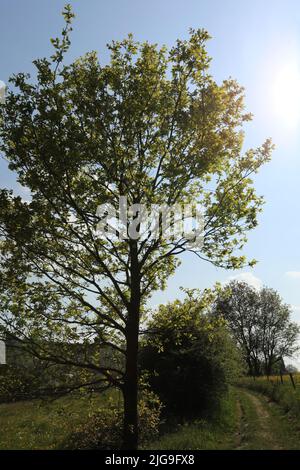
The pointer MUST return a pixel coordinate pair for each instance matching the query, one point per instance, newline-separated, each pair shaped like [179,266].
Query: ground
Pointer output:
[247,420]
[44,424]
[263,424]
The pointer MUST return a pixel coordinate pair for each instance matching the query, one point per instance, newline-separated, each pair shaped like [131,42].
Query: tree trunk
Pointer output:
[269,367]
[249,363]
[130,388]
[130,391]
[257,370]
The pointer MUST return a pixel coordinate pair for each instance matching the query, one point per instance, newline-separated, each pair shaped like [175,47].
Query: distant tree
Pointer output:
[277,334]
[260,323]
[238,304]
[290,368]
[151,125]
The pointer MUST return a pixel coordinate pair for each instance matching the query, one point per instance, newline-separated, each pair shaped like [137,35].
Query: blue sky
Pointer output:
[256,42]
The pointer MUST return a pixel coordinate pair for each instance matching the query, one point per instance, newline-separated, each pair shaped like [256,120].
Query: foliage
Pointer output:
[260,323]
[42,380]
[103,429]
[214,434]
[15,384]
[26,377]
[189,356]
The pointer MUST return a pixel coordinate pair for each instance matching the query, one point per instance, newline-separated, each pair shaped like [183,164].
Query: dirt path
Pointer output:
[263,425]
[264,432]
[239,433]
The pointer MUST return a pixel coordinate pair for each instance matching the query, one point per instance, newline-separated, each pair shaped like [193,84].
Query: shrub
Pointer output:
[103,429]
[190,359]
[37,379]
[16,384]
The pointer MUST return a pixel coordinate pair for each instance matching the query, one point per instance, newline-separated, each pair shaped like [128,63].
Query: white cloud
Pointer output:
[23,192]
[296,313]
[2,91]
[293,274]
[247,277]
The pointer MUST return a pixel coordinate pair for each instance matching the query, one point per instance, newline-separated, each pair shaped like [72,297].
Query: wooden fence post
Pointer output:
[292,380]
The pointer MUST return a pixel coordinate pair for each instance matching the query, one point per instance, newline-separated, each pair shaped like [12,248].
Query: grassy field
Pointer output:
[276,379]
[247,420]
[45,424]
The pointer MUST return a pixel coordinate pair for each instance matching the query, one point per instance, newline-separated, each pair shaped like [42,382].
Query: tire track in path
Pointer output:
[255,423]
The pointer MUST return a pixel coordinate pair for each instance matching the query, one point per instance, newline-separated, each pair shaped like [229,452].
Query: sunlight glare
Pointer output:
[286,95]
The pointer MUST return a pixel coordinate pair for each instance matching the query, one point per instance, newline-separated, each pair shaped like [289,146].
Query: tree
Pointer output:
[260,323]
[152,125]
[277,334]
[189,356]
[238,303]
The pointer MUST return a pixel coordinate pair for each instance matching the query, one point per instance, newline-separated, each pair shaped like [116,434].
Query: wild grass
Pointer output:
[282,393]
[217,433]
[40,424]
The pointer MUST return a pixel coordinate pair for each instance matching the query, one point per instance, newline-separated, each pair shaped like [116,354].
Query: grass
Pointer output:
[244,423]
[40,424]
[219,433]
[238,425]
[285,417]
[274,430]
[250,439]
[283,394]
[45,424]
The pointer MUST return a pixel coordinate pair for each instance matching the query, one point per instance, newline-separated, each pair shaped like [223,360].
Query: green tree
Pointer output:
[261,324]
[189,356]
[278,335]
[238,303]
[151,124]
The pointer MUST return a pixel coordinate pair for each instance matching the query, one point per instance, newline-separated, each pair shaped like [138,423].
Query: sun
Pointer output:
[285,91]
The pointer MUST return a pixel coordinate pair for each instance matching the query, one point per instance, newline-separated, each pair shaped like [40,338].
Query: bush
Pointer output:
[190,359]
[26,383]
[103,429]
[16,384]
[36,379]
